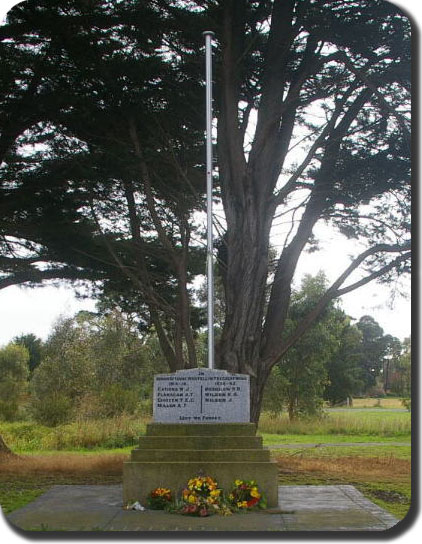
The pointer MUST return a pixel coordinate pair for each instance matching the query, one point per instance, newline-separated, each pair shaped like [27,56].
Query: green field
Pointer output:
[363,423]
[93,452]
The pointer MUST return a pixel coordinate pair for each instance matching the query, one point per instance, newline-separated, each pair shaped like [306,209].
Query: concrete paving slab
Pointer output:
[301,508]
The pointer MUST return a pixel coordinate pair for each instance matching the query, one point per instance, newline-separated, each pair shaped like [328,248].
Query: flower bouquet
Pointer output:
[159,499]
[201,497]
[245,495]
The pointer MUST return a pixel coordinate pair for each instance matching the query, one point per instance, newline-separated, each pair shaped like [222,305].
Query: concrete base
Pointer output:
[170,454]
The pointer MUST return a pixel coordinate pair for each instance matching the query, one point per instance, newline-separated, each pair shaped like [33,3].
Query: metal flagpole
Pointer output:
[210,258]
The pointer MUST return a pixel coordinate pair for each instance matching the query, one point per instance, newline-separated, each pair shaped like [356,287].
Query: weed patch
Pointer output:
[115,432]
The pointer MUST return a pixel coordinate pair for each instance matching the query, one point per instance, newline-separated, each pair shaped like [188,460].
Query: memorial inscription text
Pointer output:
[200,396]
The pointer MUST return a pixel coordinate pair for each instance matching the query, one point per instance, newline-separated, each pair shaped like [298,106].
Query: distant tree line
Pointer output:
[102,365]
[336,360]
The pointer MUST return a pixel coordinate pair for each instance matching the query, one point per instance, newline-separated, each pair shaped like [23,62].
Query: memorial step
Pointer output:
[201,429]
[232,455]
[140,478]
[200,442]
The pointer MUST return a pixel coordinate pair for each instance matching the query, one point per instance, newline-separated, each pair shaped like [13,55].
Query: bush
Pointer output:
[13,379]
[8,410]
[112,401]
[9,399]
[407,403]
[115,400]
[52,410]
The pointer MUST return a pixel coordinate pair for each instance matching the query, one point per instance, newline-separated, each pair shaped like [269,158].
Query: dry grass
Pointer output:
[71,464]
[381,403]
[348,467]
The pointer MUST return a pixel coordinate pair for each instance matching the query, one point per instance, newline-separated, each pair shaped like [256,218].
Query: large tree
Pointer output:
[312,125]
[373,350]
[99,175]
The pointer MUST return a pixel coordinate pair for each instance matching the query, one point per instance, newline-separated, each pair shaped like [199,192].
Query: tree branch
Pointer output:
[335,291]
[373,87]
[38,276]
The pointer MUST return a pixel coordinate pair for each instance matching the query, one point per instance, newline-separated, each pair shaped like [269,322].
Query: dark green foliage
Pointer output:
[400,373]
[34,347]
[299,380]
[52,409]
[372,351]
[13,378]
[345,374]
[94,366]
[115,400]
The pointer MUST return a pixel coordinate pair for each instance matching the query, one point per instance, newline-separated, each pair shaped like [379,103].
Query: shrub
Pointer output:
[407,403]
[13,379]
[9,396]
[112,401]
[115,400]
[53,409]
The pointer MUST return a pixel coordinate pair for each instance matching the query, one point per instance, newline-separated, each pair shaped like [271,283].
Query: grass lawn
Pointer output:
[270,439]
[378,424]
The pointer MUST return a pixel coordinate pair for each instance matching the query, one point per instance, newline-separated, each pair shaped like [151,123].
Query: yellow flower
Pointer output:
[192,499]
[255,493]
[242,504]
[231,496]
[215,492]
[238,482]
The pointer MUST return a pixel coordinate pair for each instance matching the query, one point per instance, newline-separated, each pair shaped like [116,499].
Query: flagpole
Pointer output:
[210,258]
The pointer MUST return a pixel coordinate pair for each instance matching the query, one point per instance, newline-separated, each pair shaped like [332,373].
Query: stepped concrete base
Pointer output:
[170,454]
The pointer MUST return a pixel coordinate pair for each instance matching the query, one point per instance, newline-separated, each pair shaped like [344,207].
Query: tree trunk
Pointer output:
[245,285]
[257,387]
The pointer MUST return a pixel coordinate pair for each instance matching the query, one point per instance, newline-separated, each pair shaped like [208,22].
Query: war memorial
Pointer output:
[200,427]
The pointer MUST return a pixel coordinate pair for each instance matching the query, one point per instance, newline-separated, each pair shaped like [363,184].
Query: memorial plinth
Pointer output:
[201,426]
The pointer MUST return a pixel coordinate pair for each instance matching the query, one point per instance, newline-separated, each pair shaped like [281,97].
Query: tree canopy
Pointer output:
[102,156]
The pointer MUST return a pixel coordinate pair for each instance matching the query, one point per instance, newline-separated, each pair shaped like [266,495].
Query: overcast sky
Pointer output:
[24,310]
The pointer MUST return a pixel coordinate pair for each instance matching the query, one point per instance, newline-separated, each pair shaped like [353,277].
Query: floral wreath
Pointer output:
[201,497]
[246,495]
[159,499]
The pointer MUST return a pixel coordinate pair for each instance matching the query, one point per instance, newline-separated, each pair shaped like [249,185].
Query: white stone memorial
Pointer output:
[201,395]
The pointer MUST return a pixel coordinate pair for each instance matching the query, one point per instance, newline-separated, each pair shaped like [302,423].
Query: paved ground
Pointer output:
[301,508]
